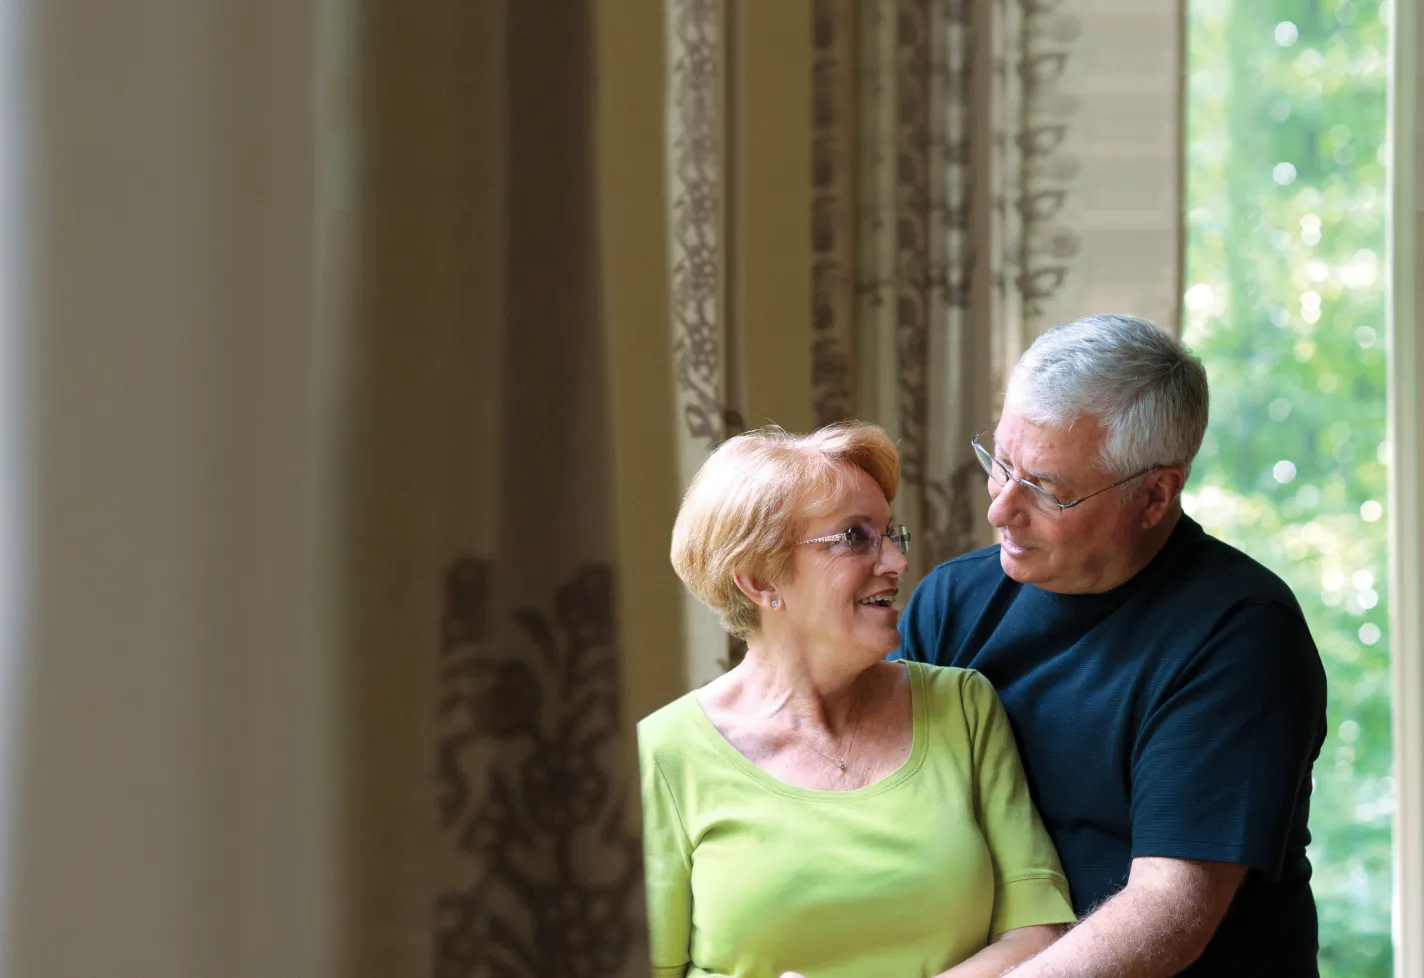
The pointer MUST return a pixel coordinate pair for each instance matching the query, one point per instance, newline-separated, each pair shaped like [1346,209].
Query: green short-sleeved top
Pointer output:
[749,877]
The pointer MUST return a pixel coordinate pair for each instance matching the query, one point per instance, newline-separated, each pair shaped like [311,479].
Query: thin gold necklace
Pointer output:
[840,761]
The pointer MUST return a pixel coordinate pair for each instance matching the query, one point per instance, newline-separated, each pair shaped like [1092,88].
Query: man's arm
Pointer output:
[1007,948]
[1216,777]
[1158,924]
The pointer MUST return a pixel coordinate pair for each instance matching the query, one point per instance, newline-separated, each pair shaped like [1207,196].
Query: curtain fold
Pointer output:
[490,835]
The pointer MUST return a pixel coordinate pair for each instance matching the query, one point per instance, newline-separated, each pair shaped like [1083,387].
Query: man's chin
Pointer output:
[1019,569]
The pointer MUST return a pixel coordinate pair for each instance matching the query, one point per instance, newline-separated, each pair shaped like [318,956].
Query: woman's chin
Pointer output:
[880,643]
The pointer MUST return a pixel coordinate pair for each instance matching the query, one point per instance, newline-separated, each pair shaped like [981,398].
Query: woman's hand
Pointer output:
[1006,952]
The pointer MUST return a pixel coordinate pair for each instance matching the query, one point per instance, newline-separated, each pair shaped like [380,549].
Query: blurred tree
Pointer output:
[1286,201]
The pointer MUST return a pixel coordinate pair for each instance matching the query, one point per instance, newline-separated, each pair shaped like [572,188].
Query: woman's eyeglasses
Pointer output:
[865,539]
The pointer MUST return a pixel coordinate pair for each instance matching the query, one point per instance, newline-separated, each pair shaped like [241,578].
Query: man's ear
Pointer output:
[760,592]
[1162,488]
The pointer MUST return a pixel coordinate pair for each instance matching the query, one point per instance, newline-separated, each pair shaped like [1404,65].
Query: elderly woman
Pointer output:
[817,809]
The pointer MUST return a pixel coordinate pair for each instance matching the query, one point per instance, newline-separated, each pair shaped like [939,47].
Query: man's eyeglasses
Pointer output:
[1043,500]
[865,539]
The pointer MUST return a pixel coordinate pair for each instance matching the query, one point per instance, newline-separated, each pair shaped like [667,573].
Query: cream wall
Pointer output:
[771,157]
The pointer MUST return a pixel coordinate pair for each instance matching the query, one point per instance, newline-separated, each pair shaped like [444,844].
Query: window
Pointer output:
[1287,202]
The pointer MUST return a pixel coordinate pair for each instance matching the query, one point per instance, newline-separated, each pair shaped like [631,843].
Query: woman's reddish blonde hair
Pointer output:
[749,502]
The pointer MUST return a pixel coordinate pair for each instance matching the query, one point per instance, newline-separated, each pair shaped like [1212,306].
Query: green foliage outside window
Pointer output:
[1285,303]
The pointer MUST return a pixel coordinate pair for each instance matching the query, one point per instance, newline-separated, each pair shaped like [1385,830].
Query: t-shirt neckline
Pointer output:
[919,720]
[1182,535]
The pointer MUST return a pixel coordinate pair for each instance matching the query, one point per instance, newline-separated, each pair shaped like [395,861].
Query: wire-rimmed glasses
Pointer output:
[1043,500]
[865,539]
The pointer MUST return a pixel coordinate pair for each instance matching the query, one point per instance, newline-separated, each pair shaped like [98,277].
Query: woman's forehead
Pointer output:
[860,500]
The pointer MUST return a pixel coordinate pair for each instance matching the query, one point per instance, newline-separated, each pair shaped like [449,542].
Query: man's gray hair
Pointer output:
[1142,385]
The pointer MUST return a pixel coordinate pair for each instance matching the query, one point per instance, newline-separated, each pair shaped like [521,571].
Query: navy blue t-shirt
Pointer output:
[1177,715]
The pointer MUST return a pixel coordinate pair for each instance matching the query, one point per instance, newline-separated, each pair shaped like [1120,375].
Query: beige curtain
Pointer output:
[489,776]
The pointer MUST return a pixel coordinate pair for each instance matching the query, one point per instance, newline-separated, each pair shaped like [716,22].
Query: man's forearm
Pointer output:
[1132,935]
[1159,923]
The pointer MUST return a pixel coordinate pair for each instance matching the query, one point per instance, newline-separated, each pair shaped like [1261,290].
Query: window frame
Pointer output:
[1406,431]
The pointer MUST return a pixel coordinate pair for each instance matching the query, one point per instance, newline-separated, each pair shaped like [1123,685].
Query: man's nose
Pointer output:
[1006,508]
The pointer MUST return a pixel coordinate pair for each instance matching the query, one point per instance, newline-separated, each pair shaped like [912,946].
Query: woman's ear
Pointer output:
[759,591]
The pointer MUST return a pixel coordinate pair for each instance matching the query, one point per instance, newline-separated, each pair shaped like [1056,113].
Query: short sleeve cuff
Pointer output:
[1031,900]
[1259,857]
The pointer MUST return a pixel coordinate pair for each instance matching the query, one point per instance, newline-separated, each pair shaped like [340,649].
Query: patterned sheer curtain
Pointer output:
[984,169]
[705,347]
[981,170]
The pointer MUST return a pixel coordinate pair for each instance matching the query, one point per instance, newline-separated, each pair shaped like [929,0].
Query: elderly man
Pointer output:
[1164,688]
